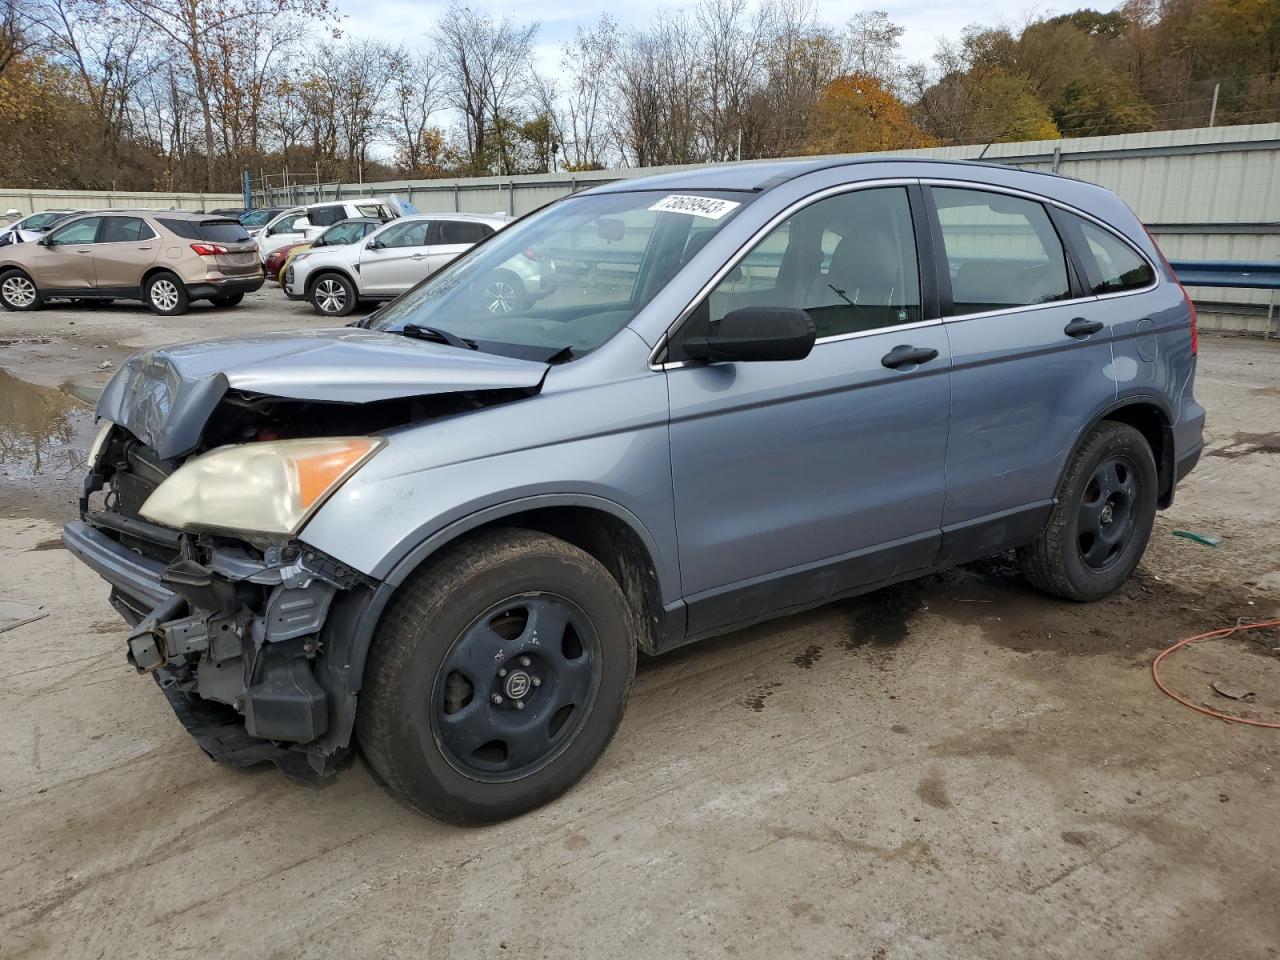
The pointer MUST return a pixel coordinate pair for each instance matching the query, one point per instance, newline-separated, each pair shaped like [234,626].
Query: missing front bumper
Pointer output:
[236,646]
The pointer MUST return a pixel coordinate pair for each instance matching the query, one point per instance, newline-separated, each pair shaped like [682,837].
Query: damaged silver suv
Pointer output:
[444,533]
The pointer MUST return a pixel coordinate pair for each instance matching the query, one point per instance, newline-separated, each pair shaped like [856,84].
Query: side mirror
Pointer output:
[374,245]
[45,241]
[756,333]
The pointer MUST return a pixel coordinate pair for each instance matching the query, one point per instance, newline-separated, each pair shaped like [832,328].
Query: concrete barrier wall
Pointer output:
[29,201]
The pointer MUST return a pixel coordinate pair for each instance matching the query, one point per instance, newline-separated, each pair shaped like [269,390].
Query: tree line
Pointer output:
[184,94]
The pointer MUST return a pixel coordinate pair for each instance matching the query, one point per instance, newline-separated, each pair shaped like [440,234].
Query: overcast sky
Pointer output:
[400,21]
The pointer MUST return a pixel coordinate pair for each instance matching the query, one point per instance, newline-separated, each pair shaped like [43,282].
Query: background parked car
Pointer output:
[340,234]
[34,226]
[302,224]
[401,254]
[252,219]
[164,258]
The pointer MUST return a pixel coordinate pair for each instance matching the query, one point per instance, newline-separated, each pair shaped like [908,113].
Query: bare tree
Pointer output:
[488,63]
[872,43]
[734,43]
[587,63]
[417,94]
[194,27]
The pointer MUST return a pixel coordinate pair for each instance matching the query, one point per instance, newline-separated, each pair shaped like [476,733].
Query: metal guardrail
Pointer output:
[1245,274]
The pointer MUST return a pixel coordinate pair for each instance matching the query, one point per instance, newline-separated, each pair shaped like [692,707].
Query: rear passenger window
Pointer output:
[124,230]
[462,231]
[1001,251]
[849,261]
[1111,264]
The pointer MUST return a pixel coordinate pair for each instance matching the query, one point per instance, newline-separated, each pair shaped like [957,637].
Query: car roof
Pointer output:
[761,175]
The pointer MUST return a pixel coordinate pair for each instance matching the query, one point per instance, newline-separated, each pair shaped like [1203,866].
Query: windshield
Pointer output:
[256,218]
[343,233]
[41,221]
[568,277]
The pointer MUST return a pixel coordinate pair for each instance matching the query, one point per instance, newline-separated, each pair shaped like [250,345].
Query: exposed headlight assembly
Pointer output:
[271,487]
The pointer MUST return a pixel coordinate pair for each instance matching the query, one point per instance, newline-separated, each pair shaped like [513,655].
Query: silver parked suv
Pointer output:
[447,531]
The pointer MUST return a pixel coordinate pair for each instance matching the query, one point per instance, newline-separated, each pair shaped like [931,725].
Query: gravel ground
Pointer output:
[953,768]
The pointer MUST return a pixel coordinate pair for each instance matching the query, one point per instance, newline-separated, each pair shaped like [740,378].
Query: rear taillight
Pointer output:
[208,249]
[1191,307]
[530,254]
[1195,324]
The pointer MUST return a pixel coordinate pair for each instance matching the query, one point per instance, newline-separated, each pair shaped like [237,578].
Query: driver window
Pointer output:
[81,231]
[849,261]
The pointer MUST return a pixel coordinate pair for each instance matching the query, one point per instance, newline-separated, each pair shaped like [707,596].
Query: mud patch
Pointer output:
[1247,444]
[756,697]
[806,658]
[933,791]
[1144,615]
[1080,838]
[879,622]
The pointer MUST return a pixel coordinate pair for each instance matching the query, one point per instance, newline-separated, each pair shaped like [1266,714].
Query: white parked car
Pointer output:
[300,224]
[33,226]
[406,251]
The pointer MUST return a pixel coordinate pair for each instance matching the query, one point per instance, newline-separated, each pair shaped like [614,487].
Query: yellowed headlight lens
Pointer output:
[269,487]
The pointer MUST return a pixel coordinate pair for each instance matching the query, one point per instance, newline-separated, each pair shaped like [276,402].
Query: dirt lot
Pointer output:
[956,768]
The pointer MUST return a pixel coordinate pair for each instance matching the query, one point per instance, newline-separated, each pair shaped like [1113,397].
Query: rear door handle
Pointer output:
[903,355]
[1081,328]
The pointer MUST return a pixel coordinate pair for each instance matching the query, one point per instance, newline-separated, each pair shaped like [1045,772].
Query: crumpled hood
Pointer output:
[164,397]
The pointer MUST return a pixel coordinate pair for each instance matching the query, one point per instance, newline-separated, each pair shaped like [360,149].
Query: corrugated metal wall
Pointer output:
[1211,193]
[29,201]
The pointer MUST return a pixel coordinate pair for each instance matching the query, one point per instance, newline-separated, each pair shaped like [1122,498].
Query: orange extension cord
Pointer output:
[1222,632]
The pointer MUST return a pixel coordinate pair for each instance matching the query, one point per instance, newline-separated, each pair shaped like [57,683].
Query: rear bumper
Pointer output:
[225,287]
[1187,462]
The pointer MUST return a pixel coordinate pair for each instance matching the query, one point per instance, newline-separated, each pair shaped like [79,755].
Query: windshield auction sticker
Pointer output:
[708,207]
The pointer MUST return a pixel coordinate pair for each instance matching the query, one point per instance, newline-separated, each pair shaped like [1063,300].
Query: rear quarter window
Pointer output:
[1111,264]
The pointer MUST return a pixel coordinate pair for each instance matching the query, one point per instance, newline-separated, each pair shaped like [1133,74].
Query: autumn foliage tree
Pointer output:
[856,114]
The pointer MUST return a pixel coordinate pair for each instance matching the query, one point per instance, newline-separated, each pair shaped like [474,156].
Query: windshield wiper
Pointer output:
[436,335]
[563,355]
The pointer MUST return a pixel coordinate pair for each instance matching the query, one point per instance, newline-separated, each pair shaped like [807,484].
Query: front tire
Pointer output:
[1102,521]
[333,295]
[497,677]
[504,294]
[19,292]
[165,295]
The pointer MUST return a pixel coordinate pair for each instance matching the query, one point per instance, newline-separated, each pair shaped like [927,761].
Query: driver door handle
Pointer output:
[1081,328]
[904,355]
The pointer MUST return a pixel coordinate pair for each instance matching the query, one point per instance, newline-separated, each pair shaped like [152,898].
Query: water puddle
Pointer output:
[45,434]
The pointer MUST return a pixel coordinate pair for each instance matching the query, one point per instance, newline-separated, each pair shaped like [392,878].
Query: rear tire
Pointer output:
[448,716]
[19,292]
[1100,526]
[165,295]
[227,299]
[333,295]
